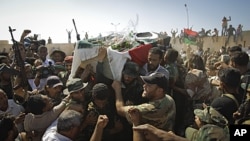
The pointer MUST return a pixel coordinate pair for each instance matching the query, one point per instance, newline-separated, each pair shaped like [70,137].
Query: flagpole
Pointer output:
[187,15]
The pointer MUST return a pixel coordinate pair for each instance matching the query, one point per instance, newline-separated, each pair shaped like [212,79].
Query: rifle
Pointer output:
[246,87]
[19,99]
[77,35]
[243,108]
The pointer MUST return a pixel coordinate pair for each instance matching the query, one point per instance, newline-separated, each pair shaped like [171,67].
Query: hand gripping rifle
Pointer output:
[19,98]
[244,99]
[244,105]
[77,35]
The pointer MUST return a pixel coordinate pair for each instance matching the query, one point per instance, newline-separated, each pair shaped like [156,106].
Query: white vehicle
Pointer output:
[146,37]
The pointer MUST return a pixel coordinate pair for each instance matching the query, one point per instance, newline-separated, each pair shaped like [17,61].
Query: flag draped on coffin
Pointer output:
[87,53]
[83,51]
[190,36]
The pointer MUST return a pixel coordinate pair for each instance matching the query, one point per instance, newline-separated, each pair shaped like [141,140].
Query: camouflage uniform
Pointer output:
[199,89]
[244,108]
[159,113]
[211,72]
[210,132]
[215,128]
[198,86]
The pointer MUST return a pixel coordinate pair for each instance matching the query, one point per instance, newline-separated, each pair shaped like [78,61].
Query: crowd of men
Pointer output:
[163,94]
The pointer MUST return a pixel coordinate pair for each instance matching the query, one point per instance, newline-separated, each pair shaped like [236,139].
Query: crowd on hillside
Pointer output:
[227,30]
[163,94]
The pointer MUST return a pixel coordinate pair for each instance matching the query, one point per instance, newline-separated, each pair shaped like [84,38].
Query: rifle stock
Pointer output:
[77,35]
[246,87]
[21,65]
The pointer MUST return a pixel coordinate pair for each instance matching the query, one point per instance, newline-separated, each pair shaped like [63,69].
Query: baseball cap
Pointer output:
[207,132]
[53,81]
[100,91]
[211,116]
[74,85]
[131,69]
[156,78]
[6,68]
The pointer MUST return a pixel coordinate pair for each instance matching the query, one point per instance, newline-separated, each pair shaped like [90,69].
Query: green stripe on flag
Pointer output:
[189,42]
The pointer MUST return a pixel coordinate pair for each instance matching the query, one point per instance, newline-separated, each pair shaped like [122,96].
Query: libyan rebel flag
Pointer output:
[190,36]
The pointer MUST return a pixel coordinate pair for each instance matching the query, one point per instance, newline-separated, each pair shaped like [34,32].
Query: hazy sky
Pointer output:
[51,18]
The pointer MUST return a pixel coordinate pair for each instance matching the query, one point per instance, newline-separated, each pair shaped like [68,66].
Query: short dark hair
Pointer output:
[35,104]
[240,58]
[42,46]
[196,62]
[235,49]
[6,125]
[172,55]
[156,50]
[131,68]
[231,77]
[100,91]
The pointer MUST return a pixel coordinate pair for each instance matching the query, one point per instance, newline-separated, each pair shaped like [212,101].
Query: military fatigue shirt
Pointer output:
[159,113]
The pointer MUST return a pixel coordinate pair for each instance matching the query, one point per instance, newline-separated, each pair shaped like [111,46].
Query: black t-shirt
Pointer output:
[8,90]
[227,106]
